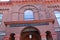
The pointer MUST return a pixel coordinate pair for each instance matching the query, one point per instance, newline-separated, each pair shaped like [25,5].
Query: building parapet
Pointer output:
[29,2]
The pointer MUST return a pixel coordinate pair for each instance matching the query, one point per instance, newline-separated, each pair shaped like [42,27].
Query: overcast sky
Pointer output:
[4,0]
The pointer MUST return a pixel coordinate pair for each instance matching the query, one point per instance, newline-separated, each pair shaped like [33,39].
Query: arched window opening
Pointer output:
[48,35]
[28,15]
[12,36]
[57,14]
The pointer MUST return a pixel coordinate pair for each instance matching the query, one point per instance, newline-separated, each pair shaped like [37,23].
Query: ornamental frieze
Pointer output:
[3,9]
[36,24]
[53,6]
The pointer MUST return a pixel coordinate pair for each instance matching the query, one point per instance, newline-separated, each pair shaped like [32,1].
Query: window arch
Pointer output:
[28,15]
[57,14]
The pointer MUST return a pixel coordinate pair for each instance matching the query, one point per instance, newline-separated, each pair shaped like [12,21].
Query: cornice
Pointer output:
[32,21]
[29,2]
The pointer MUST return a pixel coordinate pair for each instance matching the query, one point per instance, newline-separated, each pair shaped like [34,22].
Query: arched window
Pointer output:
[28,15]
[57,14]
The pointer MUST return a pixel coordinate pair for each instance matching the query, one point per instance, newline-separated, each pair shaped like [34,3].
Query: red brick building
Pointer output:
[30,20]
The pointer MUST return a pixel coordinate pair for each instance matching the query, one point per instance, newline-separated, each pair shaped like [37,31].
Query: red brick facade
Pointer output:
[13,13]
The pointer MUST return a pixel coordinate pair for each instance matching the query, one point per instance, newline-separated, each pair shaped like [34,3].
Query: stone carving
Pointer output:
[53,6]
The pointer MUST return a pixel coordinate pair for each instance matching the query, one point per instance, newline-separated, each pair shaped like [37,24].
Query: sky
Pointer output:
[4,0]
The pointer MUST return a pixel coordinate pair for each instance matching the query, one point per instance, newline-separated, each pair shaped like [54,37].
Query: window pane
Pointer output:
[2,33]
[58,21]
[28,15]
[57,14]
[1,15]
